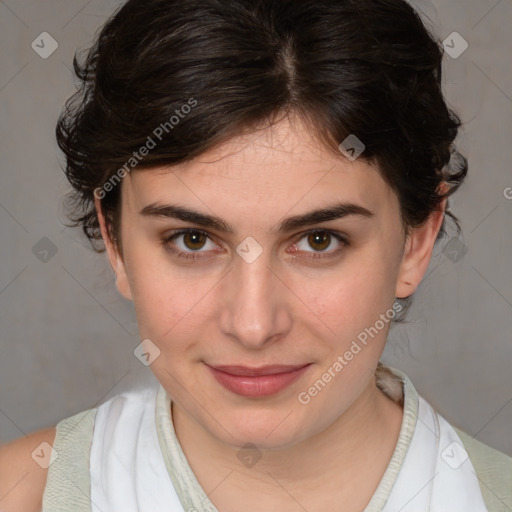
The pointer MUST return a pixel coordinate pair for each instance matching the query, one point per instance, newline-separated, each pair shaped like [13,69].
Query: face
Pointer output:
[263,285]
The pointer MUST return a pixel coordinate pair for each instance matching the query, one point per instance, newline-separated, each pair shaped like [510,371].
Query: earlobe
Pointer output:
[418,252]
[114,257]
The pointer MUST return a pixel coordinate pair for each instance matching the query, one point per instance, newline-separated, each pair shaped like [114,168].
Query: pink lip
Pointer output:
[257,382]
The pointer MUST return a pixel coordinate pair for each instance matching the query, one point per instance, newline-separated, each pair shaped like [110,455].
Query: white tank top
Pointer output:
[430,470]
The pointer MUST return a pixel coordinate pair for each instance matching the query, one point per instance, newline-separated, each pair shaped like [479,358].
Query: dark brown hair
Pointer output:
[368,68]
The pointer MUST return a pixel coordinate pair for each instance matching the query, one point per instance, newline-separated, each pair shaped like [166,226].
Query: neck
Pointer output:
[351,454]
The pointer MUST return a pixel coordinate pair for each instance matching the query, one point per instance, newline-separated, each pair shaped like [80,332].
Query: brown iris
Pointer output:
[195,240]
[319,240]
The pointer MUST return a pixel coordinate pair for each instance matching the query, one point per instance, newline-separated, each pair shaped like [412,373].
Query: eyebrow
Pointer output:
[334,212]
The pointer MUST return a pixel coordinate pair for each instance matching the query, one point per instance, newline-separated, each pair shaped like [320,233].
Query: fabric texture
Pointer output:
[443,483]
[494,472]
[82,443]
[68,485]
[129,472]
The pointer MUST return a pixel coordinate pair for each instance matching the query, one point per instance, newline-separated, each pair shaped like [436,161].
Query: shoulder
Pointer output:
[23,471]
[493,469]
[39,471]
[35,469]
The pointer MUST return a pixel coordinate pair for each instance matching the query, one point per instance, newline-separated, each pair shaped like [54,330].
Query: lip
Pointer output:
[257,382]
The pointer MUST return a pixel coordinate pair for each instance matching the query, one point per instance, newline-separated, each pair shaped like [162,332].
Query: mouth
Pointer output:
[257,382]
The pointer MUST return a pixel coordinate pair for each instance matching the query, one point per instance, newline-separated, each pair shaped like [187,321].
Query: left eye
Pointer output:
[320,241]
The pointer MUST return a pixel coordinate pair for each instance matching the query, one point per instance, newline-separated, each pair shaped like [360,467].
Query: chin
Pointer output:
[263,427]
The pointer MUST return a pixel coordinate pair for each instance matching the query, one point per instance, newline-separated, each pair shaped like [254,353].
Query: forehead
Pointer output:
[283,167]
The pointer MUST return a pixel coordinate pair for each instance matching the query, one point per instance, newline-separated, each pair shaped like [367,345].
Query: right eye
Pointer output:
[191,241]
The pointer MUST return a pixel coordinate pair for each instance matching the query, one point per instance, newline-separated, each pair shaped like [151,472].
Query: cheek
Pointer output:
[165,306]
[170,302]
[352,297]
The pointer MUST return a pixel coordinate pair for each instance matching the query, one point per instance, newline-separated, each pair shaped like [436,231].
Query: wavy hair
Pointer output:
[364,67]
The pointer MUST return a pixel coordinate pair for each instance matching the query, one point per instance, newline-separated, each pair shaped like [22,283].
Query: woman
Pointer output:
[269,179]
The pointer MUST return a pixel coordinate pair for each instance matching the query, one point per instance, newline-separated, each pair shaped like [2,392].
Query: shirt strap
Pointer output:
[68,485]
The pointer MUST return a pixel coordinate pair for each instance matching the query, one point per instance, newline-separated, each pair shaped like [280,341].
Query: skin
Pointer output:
[283,308]
[22,480]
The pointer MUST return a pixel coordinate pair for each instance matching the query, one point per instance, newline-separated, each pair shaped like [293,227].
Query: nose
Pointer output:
[255,307]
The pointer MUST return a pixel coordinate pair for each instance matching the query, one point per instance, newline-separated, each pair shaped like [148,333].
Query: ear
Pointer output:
[114,256]
[419,245]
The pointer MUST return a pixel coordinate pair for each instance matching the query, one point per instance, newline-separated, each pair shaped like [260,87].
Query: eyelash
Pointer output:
[194,255]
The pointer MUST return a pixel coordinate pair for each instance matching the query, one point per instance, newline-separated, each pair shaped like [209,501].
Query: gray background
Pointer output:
[66,335]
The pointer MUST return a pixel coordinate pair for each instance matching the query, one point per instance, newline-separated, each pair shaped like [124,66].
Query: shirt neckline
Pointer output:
[193,497]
